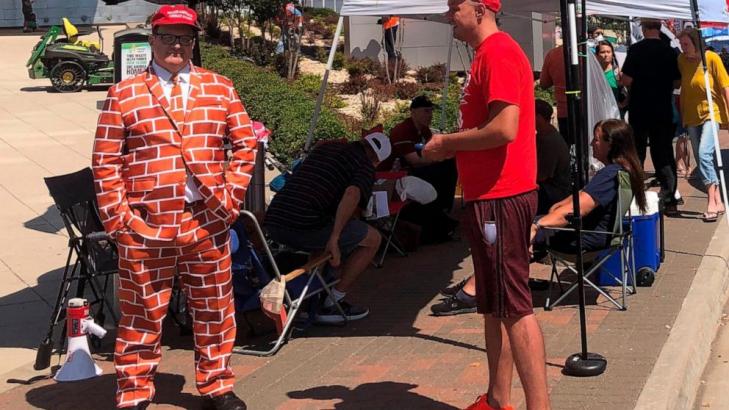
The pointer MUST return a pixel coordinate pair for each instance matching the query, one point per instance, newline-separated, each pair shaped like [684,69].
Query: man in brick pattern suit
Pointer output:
[167,197]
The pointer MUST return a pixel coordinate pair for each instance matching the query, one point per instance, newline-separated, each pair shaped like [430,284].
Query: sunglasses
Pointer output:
[171,39]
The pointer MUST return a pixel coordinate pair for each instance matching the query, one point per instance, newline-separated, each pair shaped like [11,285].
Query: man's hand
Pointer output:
[333,248]
[435,149]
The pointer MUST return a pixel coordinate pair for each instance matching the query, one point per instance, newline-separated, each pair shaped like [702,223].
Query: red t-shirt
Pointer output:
[500,72]
[403,138]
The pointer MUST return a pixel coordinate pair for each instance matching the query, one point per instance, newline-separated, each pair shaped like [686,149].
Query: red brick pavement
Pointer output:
[401,357]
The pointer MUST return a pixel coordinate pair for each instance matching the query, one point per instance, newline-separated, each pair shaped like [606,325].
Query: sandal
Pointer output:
[710,216]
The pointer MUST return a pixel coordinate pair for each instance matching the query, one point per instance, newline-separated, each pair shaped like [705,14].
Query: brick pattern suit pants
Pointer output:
[200,257]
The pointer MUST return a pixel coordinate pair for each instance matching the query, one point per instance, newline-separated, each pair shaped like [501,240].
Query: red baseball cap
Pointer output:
[493,5]
[175,14]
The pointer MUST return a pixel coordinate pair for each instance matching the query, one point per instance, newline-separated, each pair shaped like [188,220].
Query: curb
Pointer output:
[675,378]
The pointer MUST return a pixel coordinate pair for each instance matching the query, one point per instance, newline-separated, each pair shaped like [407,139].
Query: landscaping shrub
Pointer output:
[211,26]
[281,65]
[403,67]
[259,50]
[406,90]
[354,85]
[321,14]
[542,94]
[431,74]
[381,88]
[310,84]
[318,27]
[285,110]
[363,66]
[371,101]
[452,104]
[339,60]
[322,54]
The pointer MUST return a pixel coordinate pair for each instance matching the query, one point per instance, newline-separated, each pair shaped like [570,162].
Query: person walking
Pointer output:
[696,115]
[495,152]
[167,197]
[606,57]
[651,73]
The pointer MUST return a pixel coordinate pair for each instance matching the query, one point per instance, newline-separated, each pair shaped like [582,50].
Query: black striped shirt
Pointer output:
[310,198]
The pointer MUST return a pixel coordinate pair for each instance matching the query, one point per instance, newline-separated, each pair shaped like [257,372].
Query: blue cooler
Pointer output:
[646,243]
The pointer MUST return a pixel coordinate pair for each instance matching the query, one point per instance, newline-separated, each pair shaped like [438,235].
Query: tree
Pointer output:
[233,10]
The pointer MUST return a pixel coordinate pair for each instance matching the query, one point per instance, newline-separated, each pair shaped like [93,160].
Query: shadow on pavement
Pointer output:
[371,395]
[397,294]
[75,395]
[48,89]
[49,222]
[38,89]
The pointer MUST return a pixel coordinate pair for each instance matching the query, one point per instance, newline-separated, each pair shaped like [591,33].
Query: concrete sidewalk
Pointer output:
[400,357]
[41,134]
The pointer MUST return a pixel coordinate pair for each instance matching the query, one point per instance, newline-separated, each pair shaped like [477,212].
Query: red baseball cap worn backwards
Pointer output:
[175,14]
[493,5]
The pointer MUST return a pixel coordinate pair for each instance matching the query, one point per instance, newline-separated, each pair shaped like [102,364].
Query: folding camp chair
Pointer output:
[621,242]
[95,259]
[302,284]
[388,225]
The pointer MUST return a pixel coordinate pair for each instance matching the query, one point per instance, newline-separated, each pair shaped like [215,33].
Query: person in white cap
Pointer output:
[316,209]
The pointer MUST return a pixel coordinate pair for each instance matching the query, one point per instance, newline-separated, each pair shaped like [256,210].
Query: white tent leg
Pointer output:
[446,84]
[715,134]
[710,99]
[323,87]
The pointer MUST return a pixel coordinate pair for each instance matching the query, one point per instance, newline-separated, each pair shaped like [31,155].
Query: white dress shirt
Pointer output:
[192,193]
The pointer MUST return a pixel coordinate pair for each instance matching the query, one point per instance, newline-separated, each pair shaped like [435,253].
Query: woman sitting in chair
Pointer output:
[612,145]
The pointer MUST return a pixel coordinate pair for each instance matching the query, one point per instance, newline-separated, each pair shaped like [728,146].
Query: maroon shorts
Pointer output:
[498,233]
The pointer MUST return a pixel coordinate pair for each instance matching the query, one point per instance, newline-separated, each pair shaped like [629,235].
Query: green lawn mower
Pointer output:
[70,63]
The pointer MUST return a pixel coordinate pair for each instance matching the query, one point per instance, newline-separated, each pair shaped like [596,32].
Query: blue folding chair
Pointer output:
[250,276]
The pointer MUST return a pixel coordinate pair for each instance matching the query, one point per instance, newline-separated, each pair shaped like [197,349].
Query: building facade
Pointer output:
[81,12]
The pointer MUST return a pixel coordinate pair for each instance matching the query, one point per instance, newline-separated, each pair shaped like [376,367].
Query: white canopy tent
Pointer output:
[709,10]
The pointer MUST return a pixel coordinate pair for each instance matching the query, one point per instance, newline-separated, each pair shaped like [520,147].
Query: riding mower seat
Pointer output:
[72,35]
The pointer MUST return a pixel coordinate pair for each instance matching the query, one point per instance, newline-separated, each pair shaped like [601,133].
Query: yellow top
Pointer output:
[694,104]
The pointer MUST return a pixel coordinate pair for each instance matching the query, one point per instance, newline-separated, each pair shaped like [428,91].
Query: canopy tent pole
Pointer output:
[587,128]
[710,99]
[581,364]
[323,87]
[446,82]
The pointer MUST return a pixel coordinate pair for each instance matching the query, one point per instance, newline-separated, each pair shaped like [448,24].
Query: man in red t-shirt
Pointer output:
[495,151]
[414,130]
[405,137]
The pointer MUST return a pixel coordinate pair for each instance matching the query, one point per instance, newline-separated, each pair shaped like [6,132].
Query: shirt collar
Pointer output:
[165,75]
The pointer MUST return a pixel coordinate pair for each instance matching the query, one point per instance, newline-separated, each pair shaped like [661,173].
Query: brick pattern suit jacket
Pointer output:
[141,157]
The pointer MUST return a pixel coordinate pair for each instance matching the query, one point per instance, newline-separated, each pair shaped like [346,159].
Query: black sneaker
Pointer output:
[452,290]
[331,314]
[227,401]
[452,306]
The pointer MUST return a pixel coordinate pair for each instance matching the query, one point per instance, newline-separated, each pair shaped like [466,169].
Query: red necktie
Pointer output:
[177,104]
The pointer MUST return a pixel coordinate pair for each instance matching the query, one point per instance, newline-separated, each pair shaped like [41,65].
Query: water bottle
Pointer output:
[396,165]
